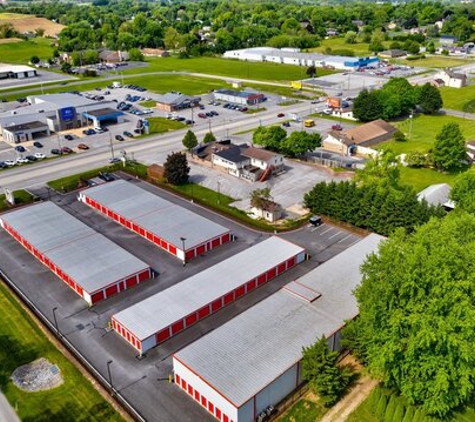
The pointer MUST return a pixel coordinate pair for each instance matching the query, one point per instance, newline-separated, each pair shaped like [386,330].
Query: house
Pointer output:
[332,32]
[268,210]
[358,140]
[174,101]
[154,52]
[392,54]
[451,79]
[447,39]
[109,56]
[436,195]
[307,26]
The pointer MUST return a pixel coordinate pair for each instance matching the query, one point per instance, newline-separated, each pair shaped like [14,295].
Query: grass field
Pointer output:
[29,23]
[21,52]
[162,125]
[364,413]
[227,67]
[304,411]
[456,98]
[21,341]
[421,178]
[434,62]
[148,103]
[359,49]
[21,197]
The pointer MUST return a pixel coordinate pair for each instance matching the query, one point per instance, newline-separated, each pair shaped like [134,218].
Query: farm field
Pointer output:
[227,67]
[21,342]
[29,23]
[435,62]
[21,52]
[456,98]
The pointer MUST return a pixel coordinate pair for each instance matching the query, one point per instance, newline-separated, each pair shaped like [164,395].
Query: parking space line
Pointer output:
[316,228]
[346,237]
[326,231]
[335,235]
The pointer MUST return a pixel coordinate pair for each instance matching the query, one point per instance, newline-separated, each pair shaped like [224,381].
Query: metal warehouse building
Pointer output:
[92,265]
[159,317]
[169,226]
[239,97]
[253,361]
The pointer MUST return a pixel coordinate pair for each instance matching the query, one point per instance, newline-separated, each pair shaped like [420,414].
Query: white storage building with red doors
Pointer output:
[165,314]
[253,361]
[92,265]
[167,225]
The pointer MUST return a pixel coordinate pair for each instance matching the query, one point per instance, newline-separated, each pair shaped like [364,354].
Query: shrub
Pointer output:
[416,159]
[390,409]
[399,413]
[409,415]
[399,136]
[381,407]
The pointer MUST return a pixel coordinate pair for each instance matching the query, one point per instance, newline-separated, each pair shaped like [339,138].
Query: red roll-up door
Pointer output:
[211,407]
[135,228]
[261,279]
[197,396]
[190,254]
[228,298]
[122,220]
[203,312]
[281,268]
[172,249]
[149,236]
[141,231]
[204,402]
[177,327]
[144,276]
[216,305]
[128,224]
[111,290]
[240,291]
[251,286]
[215,243]
[191,319]
[225,238]
[97,297]
[163,335]
[177,379]
[271,274]
[291,262]
[200,250]
[164,245]
[190,390]
[131,281]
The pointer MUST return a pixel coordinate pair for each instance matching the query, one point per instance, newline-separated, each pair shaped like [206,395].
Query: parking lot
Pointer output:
[144,382]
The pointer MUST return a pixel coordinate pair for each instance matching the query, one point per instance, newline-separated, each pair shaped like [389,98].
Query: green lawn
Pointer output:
[162,125]
[359,49]
[285,91]
[227,67]
[456,98]
[21,52]
[21,342]
[304,411]
[434,62]
[148,103]
[21,197]
[424,131]
[423,177]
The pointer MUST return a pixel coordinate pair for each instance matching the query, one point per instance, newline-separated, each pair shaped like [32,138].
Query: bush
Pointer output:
[398,413]
[409,415]
[381,407]
[400,137]
[416,159]
[390,409]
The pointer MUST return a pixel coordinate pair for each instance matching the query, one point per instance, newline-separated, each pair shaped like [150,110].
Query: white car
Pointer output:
[40,156]
[328,111]
[10,163]
[20,160]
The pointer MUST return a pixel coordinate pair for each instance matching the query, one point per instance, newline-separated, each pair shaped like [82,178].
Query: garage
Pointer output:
[89,263]
[227,371]
[171,311]
[168,226]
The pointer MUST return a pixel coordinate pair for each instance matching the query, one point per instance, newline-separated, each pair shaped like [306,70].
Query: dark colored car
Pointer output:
[55,151]
[202,115]
[89,132]
[127,133]
[3,165]
[281,115]
[19,148]
[107,177]
[66,150]
[337,127]
[69,137]
[190,122]
[315,220]
[286,124]
[38,144]
[83,146]
[119,138]
[31,158]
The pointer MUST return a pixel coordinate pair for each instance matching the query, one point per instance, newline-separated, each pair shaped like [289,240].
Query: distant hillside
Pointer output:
[24,24]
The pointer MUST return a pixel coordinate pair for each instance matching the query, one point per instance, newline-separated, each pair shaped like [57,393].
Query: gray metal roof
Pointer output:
[157,215]
[246,354]
[438,194]
[148,317]
[89,258]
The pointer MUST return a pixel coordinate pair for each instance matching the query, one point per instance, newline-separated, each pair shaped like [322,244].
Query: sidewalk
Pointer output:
[7,414]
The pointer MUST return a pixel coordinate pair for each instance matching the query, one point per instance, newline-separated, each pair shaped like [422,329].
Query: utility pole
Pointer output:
[219,192]
[111,143]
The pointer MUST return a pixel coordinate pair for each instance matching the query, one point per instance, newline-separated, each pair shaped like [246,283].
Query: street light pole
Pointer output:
[110,376]
[111,145]
[219,192]
[183,240]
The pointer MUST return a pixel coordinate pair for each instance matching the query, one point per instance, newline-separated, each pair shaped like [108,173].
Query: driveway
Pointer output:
[7,414]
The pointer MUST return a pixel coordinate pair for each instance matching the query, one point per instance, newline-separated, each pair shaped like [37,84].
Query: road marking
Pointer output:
[326,231]
[316,228]
[335,235]
[346,237]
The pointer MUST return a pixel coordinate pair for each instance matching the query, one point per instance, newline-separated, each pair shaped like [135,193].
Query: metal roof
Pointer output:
[438,194]
[157,215]
[243,356]
[150,316]
[89,258]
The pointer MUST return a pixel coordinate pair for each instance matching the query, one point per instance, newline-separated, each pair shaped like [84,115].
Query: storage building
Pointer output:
[239,97]
[159,317]
[92,265]
[167,225]
[253,361]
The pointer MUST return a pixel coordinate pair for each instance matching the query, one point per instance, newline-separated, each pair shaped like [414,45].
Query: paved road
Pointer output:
[7,414]
[149,149]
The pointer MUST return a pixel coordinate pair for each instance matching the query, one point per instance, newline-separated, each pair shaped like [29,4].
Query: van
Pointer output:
[309,123]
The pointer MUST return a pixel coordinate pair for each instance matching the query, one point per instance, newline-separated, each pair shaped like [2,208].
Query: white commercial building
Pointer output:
[254,361]
[10,71]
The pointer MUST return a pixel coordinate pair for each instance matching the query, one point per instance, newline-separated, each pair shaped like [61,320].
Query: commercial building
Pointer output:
[10,71]
[239,97]
[254,361]
[54,113]
[92,265]
[174,101]
[156,319]
[293,56]
[450,79]
[176,230]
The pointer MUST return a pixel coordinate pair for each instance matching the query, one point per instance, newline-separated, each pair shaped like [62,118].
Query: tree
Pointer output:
[176,169]
[260,197]
[66,67]
[311,71]
[34,60]
[463,191]
[39,32]
[320,369]
[399,136]
[300,142]
[209,137]
[449,148]
[367,106]
[135,55]
[350,37]
[418,315]
[173,39]
[90,57]
[190,140]
[270,137]
[416,159]
[430,99]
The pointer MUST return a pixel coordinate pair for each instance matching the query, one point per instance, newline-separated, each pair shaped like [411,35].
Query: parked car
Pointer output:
[190,122]
[40,156]
[20,148]
[114,160]
[202,115]
[69,137]
[10,163]
[21,160]
[37,144]
[286,124]
[55,151]
[66,150]
[281,115]
[243,109]
[3,165]
[89,132]
[202,107]
[315,220]
[107,177]
[100,129]
[337,127]
[31,158]
[127,133]
[119,138]
[328,111]
[83,146]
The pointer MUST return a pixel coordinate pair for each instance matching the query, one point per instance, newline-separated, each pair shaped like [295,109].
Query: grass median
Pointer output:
[21,342]
[21,197]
